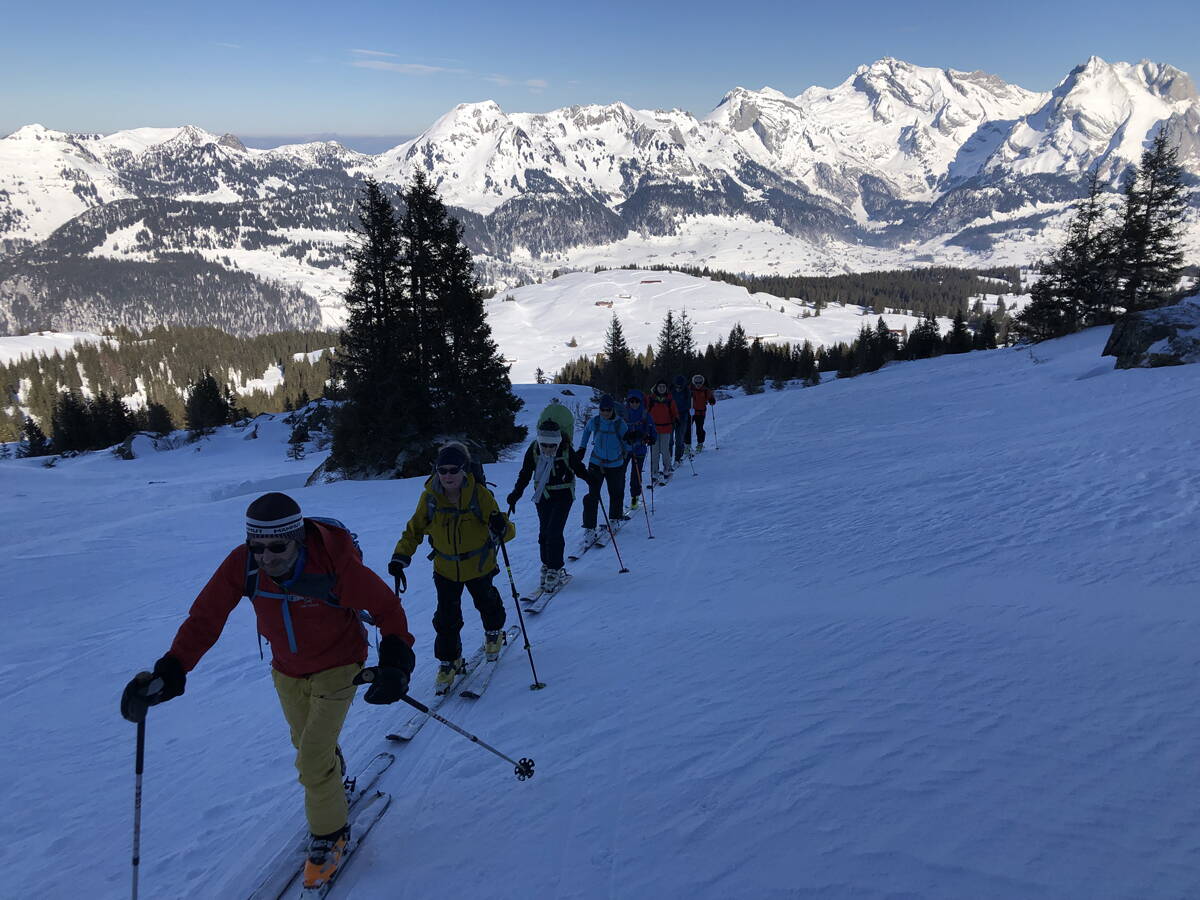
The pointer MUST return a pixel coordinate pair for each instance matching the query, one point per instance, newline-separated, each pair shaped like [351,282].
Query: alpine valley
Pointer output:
[898,166]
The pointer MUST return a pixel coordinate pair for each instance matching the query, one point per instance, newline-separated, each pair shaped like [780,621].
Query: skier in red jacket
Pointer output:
[702,399]
[306,582]
[665,415]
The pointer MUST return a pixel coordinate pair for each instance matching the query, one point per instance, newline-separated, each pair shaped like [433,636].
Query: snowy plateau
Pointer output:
[929,632]
[898,166]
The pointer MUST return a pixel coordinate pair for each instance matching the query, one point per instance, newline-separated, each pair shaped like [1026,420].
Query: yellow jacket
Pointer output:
[462,545]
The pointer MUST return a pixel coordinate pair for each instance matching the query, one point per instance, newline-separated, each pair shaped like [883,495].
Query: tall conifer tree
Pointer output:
[386,405]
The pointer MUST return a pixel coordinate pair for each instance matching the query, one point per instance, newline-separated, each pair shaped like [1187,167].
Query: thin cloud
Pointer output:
[375,53]
[536,85]
[404,68]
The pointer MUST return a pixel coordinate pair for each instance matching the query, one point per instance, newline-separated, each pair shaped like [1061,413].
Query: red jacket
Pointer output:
[664,412]
[322,635]
[701,397]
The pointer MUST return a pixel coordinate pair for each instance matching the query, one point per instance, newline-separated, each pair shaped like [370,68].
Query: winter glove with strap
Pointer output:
[389,679]
[148,689]
[497,524]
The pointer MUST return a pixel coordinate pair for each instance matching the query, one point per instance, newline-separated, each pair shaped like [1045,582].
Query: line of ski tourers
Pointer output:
[312,592]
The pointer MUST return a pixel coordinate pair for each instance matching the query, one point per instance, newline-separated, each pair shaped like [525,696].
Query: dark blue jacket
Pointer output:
[640,425]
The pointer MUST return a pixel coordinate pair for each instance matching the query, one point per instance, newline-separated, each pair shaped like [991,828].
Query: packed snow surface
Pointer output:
[929,632]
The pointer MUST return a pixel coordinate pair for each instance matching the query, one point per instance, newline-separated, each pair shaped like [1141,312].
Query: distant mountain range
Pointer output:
[899,165]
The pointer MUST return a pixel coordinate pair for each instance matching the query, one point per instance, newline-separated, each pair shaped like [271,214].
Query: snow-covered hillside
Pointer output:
[535,328]
[929,632]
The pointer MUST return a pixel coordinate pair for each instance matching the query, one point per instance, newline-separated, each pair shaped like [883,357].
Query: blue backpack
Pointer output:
[250,586]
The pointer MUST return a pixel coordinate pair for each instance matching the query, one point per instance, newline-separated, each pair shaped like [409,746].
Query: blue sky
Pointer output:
[385,68]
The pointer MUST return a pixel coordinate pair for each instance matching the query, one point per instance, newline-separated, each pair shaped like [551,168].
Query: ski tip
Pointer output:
[398,737]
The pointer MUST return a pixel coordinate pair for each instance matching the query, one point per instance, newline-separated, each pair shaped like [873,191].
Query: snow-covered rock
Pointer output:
[1169,336]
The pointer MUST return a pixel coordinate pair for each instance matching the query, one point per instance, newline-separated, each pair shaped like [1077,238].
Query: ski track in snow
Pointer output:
[925,633]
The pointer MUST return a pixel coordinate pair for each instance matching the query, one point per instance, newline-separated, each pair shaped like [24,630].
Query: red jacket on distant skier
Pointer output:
[663,412]
[702,397]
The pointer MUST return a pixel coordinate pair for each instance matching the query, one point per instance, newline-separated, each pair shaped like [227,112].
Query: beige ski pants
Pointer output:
[315,708]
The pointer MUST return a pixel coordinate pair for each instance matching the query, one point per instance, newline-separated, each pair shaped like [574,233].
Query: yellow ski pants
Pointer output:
[315,708]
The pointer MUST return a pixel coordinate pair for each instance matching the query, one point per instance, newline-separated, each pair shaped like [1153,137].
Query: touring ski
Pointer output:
[286,865]
[537,602]
[417,721]
[474,687]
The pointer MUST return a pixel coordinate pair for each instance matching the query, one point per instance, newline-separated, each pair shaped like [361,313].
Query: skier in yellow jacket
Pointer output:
[465,527]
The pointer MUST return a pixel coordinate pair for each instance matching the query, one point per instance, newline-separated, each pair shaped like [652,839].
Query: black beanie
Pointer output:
[276,516]
[453,454]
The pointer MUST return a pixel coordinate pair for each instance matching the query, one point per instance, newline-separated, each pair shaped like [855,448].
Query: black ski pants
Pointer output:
[448,620]
[636,476]
[698,418]
[614,477]
[683,434]
[552,519]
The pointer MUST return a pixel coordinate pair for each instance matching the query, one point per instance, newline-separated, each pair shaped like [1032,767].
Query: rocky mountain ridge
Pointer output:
[898,165]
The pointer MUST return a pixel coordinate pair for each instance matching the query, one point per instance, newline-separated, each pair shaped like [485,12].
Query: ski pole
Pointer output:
[153,685]
[401,584]
[137,803]
[537,685]
[523,768]
[649,531]
[691,463]
[612,535]
[716,442]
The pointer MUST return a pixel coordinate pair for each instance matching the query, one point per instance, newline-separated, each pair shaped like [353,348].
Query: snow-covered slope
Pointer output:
[929,632]
[535,328]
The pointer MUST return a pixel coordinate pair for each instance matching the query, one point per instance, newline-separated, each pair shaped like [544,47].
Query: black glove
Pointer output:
[387,684]
[651,440]
[389,679]
[396,567]
[512,501]
[148,689]
[497,524]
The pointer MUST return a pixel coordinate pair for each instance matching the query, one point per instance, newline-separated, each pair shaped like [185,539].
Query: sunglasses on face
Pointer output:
[274,547]
[449,470]
[549,448]
[633,400]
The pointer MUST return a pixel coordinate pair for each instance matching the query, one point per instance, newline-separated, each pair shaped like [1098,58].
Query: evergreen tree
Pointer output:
[806,363]
[925,340]
[297,439]
[158,419]
[670,356]
[737,353]
[1150,249]
[687,343]
[207,405]
[985,338]
[33,440]
[616,375]
[539,376]
[959,340]
[378,365]
[476,394]
[886,345]
[1046,316]
[756,368]
[71,424]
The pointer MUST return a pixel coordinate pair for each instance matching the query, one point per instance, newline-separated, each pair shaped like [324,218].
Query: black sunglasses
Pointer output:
[633,400]
[274,547]
[449,470]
